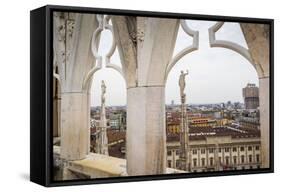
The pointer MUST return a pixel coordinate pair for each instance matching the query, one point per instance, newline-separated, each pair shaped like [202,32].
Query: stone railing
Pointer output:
[95,166]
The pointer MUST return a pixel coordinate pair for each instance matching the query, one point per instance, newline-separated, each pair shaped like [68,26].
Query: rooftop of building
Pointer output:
[201,133]
[116,141]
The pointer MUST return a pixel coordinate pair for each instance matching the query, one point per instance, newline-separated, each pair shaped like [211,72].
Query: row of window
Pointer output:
[211,161]
[227,160]
[233,168]
[211,150]
[227,149]
[169,152]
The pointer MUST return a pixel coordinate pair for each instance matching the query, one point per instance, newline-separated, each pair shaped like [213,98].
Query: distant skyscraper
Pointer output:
[173,103]
[251,96]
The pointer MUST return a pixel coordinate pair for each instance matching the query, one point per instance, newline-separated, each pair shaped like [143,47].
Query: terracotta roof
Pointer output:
[200,133]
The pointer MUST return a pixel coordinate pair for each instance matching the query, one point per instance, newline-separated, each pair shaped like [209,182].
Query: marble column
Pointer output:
[146,136]
[74,125]
[264,97]
[257,37]
[72,48]
[145,46]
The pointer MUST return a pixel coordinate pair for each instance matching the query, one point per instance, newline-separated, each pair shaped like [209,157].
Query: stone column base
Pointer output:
[146,133]
[74,126]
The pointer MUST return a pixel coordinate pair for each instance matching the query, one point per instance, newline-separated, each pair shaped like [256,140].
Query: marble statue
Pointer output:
[182,84]
[103,90]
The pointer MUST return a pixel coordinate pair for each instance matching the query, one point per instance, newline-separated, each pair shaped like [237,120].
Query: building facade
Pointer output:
[251,96]
[202,122]
[217,150]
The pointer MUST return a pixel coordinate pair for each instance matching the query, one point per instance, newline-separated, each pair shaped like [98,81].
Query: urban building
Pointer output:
[251,96]
[249,122]
[117,120]
[173,126]
[116,142]
[217,149]
[202,122]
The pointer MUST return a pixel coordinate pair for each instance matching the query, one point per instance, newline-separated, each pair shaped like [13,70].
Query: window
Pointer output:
[242,158]
[234,160]
[202,151]
[219,150]
[177,152]
[220,160]
[194,162]
[169,163]
[241,148]
[250,158]
[258,158]
[250,148]
[234,149]
[257,148]
[177,163]
[226,149]
[194,151]
[211,150]
[203,162]
[169,152]
[211,161]
[227,160]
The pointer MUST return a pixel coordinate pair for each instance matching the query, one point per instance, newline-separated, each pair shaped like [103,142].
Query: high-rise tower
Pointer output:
[251,96]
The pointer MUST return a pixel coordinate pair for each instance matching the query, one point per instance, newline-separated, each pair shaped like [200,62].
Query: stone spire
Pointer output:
[184,126]
[102,143]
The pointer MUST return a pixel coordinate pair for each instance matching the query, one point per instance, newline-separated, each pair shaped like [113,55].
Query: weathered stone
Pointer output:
[72,46]
[146,46]
[74,125]
[146,133]
[257,37]
[264,96]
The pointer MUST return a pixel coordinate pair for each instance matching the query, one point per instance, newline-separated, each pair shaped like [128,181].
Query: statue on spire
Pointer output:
[103,90]
[182,85]
[184,131]
[102,141]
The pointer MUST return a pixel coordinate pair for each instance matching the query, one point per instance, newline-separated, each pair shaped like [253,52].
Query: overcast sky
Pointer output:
[215,74]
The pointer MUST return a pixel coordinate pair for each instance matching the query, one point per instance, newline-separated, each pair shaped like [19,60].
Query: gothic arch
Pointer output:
[193,47]
[232,46]
[104,24]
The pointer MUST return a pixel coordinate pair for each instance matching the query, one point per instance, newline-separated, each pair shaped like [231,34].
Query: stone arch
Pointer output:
[103,21]
[187,63]
[107,74]
[232,46]
[193,47]
[257,37]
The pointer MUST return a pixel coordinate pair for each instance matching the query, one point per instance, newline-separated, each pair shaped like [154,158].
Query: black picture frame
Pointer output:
[41,58]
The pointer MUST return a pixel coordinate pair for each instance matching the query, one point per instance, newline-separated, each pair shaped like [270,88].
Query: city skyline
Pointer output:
[217,83]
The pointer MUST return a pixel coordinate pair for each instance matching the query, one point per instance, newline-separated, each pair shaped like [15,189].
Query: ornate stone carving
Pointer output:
[137,36]
[103,25]
[61,33]
[70,27]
